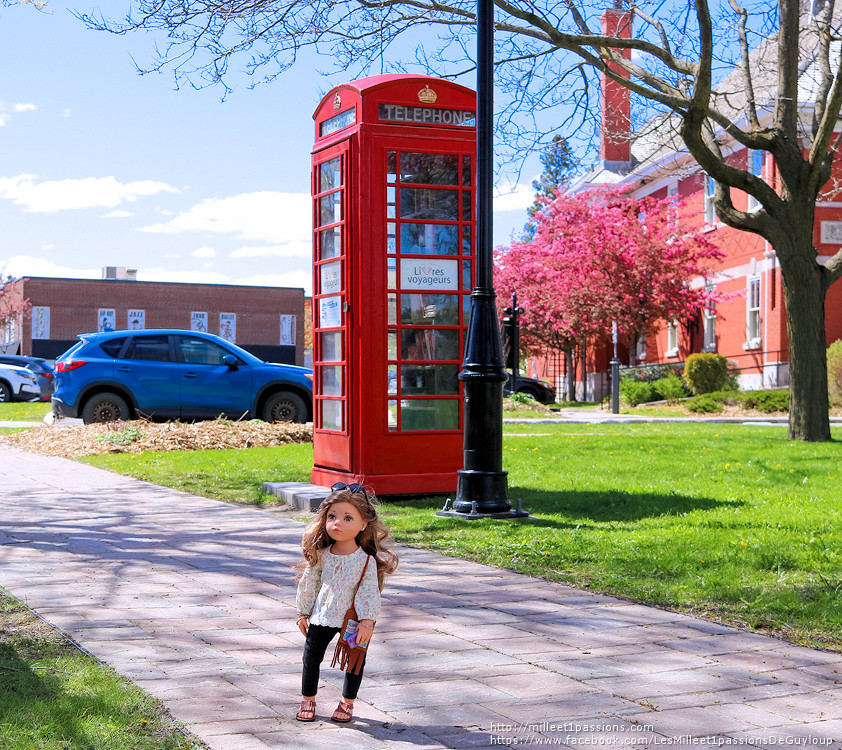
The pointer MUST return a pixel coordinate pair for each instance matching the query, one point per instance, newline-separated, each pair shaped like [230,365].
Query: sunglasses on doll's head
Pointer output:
[355,489]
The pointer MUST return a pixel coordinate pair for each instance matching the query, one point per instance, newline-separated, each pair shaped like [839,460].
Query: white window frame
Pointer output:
[709,327]
[640,348]
[710,210]
[672,339]
[755,166]
[753,317]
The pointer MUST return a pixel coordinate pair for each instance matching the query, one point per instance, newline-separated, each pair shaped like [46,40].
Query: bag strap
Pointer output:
[359,583]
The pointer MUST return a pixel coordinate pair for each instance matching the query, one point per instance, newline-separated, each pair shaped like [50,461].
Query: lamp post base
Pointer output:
[474,512]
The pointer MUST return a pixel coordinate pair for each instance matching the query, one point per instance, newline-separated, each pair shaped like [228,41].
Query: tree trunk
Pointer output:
[805,299]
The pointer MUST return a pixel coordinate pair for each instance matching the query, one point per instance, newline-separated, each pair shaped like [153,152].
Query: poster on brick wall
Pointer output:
[40,322]
[199,321]
[106,320]
[137,320]
[228,326]
[288,330]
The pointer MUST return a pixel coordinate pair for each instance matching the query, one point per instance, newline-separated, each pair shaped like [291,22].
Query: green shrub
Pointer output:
[523,398]
[650,373]
[834,371]
[705,373]
[670,388]
[770,401]
[635,392]
[704,404]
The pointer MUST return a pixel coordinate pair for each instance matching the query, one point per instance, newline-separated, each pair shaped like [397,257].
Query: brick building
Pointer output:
[749,325]
[266,321]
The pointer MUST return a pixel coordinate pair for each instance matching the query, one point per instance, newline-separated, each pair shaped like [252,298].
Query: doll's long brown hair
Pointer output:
[374,538]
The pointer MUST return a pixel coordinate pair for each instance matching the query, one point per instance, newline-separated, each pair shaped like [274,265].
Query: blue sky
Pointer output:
[100,166]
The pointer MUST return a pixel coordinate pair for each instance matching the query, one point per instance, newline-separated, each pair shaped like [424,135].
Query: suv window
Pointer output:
[112,347]
[196,351]
[149,348]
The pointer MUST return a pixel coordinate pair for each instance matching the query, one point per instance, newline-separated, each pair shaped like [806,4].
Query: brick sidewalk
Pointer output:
[193,599]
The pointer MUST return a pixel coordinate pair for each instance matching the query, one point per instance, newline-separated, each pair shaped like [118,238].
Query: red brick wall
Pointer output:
[74,304]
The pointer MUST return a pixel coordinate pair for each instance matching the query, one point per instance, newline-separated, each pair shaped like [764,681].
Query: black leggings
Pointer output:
[318,637]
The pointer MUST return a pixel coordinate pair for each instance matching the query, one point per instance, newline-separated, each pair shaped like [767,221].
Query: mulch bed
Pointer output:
[139,435]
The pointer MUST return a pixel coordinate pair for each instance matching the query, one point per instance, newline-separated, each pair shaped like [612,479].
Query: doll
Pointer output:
[344,535]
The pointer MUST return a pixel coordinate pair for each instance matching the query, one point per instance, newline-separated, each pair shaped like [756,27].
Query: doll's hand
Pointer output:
[364,631]
[303,624]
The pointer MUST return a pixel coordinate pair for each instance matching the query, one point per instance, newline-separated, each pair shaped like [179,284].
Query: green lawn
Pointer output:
[234,475]
[731,522]
[54,697]
[27,411]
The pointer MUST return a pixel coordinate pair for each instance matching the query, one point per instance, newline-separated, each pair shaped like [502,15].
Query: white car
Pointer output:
[18,384]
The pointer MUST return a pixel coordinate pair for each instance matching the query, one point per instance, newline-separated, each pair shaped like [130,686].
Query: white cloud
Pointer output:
[7,110]
[119,214]
[204,252]
[277,218]
[88,192]
[514,197]
[290,250]
[66,112]
[28,265]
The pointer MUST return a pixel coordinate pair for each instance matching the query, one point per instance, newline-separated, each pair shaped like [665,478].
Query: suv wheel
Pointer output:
[105,407]
[284,407]
[5,394]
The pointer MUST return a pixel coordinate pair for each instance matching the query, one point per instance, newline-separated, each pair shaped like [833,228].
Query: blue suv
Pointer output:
[174,374]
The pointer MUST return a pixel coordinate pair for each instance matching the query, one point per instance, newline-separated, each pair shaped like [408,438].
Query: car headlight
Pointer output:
[29,376]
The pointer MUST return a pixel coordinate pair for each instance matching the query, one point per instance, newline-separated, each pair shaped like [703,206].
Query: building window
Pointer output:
[756,168]
[672,190]
[672,339]
[640,348]
[710,211]
[709,323]
[753,314]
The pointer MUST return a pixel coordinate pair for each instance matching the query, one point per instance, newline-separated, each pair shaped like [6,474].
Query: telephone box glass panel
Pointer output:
[429,275]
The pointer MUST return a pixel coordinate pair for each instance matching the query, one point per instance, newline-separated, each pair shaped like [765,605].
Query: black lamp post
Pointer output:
[615,373]
[482,489]
[512,316]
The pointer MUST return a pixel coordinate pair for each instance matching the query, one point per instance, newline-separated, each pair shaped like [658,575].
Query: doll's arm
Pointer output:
[305,598]
[365,630]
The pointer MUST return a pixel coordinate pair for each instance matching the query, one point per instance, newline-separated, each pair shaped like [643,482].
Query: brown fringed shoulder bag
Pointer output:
[348,654]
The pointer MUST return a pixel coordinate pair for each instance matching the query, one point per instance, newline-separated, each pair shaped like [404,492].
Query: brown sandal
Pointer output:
[307,712]
[344,712]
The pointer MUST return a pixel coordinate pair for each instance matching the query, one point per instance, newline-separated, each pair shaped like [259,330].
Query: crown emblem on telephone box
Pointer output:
[337,102]
[427,95]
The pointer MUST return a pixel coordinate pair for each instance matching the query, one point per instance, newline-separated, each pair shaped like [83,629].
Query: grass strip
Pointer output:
[25,411]
[56,697]
[725,521]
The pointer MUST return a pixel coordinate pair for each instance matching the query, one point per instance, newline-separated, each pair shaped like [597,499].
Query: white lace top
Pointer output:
[326,588]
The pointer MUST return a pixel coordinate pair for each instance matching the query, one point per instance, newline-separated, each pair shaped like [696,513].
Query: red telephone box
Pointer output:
[393,210]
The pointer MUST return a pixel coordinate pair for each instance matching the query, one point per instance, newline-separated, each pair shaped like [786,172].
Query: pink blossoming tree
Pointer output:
[600,257]
[12,303]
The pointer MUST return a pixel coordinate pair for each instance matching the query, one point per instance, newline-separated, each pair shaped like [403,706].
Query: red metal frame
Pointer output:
[405,147]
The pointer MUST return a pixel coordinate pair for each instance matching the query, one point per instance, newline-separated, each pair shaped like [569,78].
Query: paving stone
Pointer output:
[806,707]
[652,686]
[691,722]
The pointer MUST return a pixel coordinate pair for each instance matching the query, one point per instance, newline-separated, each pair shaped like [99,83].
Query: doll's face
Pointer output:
[343,522]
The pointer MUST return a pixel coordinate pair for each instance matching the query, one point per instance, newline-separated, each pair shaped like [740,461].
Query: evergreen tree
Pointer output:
[559,165]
